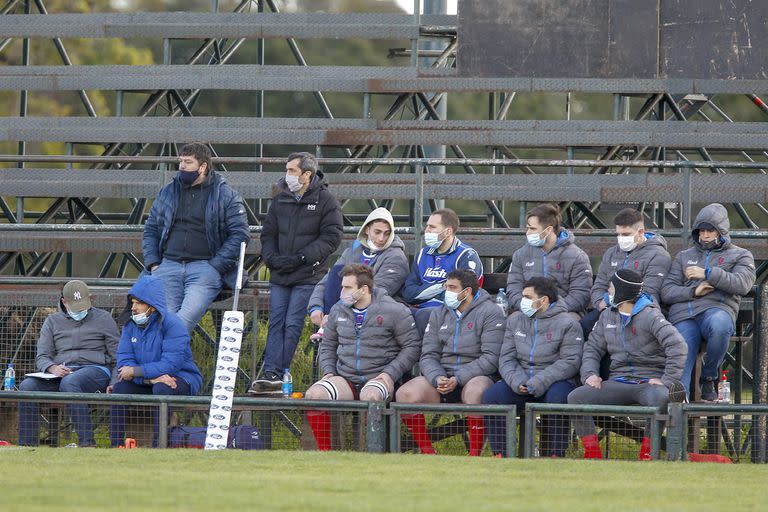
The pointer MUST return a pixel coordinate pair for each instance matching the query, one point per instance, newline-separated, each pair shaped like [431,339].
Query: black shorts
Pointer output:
[454,397]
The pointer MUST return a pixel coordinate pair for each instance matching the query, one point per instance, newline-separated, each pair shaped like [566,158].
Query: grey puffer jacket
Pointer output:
[729,268]
[565,262]
[650,259]
[464,346]
[646,345]
[540,351]
[387,342]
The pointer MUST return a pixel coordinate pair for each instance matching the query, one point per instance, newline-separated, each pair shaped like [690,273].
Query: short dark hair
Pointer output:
[548,215]
[466,278]
[363,274]
[448,218]
[543,286]
[200,151]
[628,217]
[307,161]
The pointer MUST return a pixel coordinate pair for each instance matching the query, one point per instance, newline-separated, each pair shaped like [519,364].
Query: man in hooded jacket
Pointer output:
[703,290]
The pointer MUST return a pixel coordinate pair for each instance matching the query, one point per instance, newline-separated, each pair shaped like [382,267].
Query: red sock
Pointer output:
[591,447]
[418,427]
[476,435]
[645,449]
[320,421]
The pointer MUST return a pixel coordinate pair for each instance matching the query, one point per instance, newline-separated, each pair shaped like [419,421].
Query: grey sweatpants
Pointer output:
[615,393]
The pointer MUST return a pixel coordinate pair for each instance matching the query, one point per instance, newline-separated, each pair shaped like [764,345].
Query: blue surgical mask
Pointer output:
[141,318]
[432,240]
[526,306]
[188,177]
[78,315]
[451,299]
[535,239]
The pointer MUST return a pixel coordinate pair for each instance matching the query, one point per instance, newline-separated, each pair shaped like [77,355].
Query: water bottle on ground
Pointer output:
[10,378]
[502,302]
[287,383]
[724,389]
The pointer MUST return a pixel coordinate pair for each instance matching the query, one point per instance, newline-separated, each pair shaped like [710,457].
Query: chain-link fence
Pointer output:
[724,433]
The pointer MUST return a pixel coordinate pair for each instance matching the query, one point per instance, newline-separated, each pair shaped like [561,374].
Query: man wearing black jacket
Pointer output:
[301,230]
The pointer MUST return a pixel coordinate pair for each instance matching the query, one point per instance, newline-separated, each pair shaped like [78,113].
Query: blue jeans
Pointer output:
[554,427]
[287,310]
[189,288]
[117,412]
[87,379]
[714,326]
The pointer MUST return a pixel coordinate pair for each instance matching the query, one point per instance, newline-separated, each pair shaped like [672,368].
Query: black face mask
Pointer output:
[187,178]
[714,244]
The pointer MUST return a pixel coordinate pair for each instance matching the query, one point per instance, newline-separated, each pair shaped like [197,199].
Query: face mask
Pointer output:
[451,299]
[432,240]
[535,239]
[626,243]
[349,300]
[710,245]
[610,301]
[78,315]
[188,178]
[372,246]
[292,182]
[526,306]
[141,318]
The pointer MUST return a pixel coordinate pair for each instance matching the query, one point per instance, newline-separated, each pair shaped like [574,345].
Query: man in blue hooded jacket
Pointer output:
[193,234]
[154,355]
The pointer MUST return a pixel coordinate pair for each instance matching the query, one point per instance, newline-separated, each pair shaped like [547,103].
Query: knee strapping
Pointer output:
[379,386]
[330,388]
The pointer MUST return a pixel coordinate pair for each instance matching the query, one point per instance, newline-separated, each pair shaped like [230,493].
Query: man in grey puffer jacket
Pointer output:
[647,356]
[703,289]
[376,246]
[550,251]
[370,341]
[459,356]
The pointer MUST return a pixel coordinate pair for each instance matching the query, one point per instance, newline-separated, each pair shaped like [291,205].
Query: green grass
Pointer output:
[59,479]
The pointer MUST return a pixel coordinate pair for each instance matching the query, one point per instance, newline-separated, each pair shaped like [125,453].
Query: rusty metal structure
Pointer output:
[670,146]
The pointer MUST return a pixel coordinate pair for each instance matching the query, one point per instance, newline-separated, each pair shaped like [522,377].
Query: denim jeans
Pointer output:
[189,288]
[554,427]
[118,412]
[86,379]
[714,326]
[287,310]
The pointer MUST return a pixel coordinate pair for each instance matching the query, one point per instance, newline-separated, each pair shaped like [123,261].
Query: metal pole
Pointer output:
[760,382]
[511,431]
[162,441]
[530,436]
[377,432]
[675,431]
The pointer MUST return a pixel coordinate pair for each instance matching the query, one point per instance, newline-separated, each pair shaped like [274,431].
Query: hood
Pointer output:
[643,302]
[151,290]
[480,297]
[381,214]
[714,214]
[564,237]
[655,239]
[549,312]
[318,182]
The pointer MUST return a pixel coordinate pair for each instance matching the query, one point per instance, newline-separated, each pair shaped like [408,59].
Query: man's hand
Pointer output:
[655,382]
[703,289]
[163,379]
[446,385]
[387,380]
[58,370]
[601,305]
[595,381]
[285,264]
[695,273]
[109,389]
[522,389]
[317,317]
[327,376]
[125,373]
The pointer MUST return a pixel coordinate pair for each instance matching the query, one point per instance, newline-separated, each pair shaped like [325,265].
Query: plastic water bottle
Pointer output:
[501,301]
[724,389]
[10,378]
[287,383]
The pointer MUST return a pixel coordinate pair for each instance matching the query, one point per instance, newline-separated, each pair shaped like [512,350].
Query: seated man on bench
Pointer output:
[370,341]
[459,357]
[647,356]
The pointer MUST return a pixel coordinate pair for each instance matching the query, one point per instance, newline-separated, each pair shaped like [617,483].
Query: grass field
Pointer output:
[49,480]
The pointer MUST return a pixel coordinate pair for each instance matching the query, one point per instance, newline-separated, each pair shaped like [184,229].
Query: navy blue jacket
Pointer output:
[161,347]
[226,226]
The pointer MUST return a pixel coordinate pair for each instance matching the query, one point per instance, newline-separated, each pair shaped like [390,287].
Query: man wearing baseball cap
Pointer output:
[77,347]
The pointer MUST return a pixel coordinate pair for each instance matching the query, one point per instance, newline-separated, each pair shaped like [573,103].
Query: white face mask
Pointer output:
[292,182]
[626,243]
[526,306]
[535,239]
[349,300]
[141,318]
[372,245]
[451,299]
[432,240]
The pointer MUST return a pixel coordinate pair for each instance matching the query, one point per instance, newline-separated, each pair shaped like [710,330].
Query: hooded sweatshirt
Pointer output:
[643,345]
[161,346]
[463,345]
[650,259]
[540,350]
[389,263]
[729,269]
[566,263]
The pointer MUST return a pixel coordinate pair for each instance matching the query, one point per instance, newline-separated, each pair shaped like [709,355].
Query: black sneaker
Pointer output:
[677,393]
[269,383]
[709,391]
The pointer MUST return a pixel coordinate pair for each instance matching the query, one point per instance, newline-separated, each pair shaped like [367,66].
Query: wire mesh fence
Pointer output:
[724,433]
